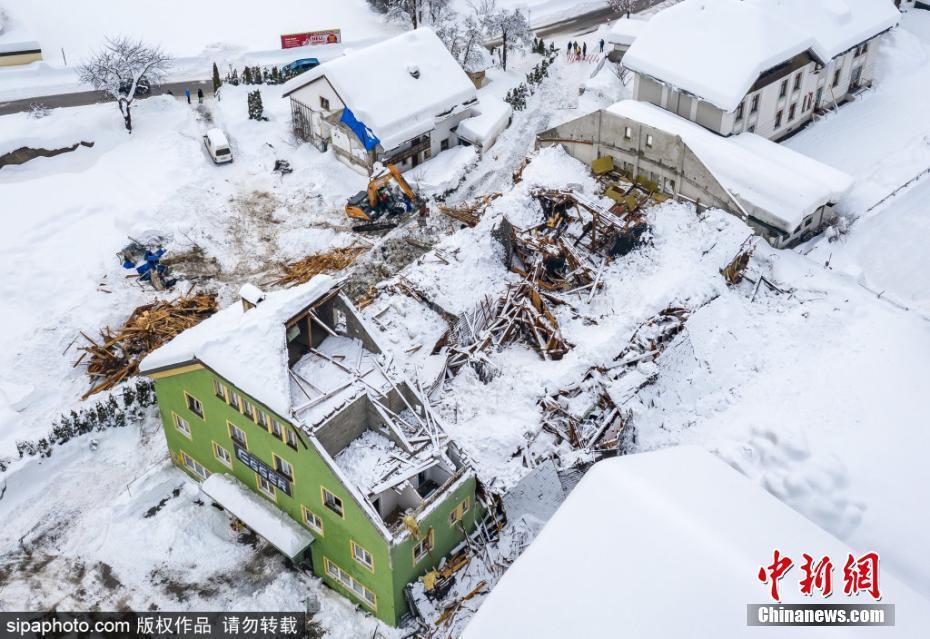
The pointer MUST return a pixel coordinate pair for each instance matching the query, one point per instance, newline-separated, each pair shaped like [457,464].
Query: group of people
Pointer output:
[187,94]
[577,51]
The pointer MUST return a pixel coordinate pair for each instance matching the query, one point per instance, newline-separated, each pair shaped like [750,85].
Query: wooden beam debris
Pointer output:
[117,356]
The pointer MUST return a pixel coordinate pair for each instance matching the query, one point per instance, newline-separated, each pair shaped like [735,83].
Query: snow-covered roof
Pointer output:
[217,138]
[378,84]
[492,118]
[15,37]
[625,31]
[783,184]
[647,544]
[256,512]
[717,49]
[249,348]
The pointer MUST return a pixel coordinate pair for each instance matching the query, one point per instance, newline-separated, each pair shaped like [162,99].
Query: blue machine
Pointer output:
[146,262]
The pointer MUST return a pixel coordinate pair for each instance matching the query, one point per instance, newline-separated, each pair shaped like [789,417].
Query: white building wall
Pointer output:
[770,101]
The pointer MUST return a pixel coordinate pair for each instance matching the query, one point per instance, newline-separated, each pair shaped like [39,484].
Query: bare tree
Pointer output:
[120,67]
[510,27]
[417,13]
[622,6]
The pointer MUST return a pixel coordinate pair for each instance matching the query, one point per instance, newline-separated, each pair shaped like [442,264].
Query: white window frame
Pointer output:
[312,520]
[225,458]
[270,492]
[361,555]
[194,466]
[422,548]
[178,420]
[350,583]
[342,507]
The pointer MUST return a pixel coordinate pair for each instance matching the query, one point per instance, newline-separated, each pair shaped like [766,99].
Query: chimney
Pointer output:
[251,296]
[414,71]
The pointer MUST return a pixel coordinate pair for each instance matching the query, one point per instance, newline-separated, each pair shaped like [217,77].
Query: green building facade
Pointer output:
[368,541]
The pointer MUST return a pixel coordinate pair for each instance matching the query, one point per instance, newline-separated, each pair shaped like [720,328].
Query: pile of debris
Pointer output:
[587,420]
[469,212]
[118,354]
[521,313]
[584,415]
[304,269]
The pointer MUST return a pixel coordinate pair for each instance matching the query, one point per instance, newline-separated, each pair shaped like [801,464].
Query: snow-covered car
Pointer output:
[217,146]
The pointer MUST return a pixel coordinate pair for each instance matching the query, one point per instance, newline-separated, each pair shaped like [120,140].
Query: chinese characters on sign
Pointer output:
[859,575]
[328,36]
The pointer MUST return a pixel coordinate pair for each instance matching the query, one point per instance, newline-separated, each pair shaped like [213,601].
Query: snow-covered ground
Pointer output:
[816,392]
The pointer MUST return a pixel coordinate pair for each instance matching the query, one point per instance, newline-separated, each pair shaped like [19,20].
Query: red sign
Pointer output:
[329,36]
[859,575]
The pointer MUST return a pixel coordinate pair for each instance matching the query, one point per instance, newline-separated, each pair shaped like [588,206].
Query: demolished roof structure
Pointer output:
[307,355]
[399,87]
[782,186]
[766,33]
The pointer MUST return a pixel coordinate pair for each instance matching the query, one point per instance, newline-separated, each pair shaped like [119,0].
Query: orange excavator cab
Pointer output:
[382,200]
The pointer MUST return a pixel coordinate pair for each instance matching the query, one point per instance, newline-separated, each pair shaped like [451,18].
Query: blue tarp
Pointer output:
[369,139]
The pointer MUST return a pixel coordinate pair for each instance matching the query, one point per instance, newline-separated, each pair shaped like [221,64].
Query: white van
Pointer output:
[217,146]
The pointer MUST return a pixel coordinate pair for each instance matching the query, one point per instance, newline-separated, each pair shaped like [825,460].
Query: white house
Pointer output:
[763,66]
[669,544]
[398,101]
[783,195]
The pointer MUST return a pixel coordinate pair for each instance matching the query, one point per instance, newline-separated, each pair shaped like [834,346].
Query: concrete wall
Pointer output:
[668,162]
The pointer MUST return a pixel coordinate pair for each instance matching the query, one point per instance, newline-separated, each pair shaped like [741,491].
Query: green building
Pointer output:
[297,423]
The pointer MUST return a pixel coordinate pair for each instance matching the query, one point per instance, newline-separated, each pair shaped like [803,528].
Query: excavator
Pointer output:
[382,200]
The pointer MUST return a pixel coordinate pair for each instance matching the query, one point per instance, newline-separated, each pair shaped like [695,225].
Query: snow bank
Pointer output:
[398,87]
[675,528]
[444,171]
[493,116]
[268,521]
[764,32]
[784,184]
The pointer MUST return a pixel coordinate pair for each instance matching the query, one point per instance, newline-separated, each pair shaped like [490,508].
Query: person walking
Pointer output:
[199,96]
[187,94]
[584,49]
[602,45]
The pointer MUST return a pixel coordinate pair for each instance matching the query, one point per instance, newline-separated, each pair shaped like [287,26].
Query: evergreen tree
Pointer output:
[247,75]
[256,75]
[256,110]
[216,78]
[234,80]
[275,75]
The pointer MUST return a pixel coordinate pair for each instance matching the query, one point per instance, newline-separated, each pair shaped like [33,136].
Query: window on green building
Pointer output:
[219,389]
[194,405]
[312,520]
[276,429]
[283,467]
[362,556]
[351,583]
[237,435]
[194,466]
[182,425]
[291,438]
[423,547]
[222,455]
[332,502]
[459,512]
[266,488]
[234,400]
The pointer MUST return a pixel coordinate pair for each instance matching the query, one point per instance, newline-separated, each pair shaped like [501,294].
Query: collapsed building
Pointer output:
[292,416]
[783,195]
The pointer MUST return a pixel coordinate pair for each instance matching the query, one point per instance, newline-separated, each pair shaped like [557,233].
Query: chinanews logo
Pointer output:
[860,578]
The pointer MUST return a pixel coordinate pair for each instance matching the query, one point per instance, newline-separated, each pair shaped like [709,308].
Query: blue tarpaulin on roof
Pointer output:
[369,139]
